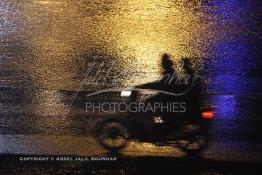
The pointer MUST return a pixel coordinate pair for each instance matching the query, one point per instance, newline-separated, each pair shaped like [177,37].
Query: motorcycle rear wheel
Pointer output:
[113,135]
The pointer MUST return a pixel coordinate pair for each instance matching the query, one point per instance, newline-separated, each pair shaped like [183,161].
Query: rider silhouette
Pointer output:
[167,84]
[169,76]
[194,87]
[189,91]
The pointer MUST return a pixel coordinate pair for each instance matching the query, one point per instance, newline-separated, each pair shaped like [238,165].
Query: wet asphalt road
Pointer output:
[25,130]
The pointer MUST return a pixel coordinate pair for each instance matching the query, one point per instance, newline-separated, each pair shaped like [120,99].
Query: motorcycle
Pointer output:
[187,131]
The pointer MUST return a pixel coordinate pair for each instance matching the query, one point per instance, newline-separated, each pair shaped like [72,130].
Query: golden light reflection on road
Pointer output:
[149,149]
[149,28]
[134,33]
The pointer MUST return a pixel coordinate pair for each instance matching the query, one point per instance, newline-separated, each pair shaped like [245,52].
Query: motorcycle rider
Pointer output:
[188,90]
[169,76]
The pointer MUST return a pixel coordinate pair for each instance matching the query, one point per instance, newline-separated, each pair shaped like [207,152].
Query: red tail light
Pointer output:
[208,114]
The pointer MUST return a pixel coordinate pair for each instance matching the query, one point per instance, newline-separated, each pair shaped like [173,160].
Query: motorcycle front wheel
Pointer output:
[194,139]
[113,135]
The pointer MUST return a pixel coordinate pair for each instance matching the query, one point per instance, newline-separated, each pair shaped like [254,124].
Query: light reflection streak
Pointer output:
[133,32]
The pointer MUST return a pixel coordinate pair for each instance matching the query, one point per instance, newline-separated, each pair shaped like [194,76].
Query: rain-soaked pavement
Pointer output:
[48,48]
[25,130]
